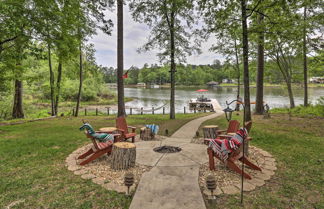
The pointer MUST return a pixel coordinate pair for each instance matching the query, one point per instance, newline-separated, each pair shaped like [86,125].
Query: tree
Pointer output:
[283,47]
[171,22]
[260,70]
[120,59]
[90,17]
[14,40]
[80,82]
[287,39]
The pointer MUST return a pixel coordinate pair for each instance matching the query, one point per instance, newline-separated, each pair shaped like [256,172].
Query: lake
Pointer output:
[160,97]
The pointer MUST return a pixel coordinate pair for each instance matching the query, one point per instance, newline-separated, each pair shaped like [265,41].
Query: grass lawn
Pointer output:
[33,172]
[298,147]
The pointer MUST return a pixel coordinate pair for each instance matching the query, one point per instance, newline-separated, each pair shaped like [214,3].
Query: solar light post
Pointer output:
[211,185]
[128,180]
[228,114]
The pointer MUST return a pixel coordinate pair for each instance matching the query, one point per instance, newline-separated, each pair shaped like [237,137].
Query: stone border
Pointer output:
[268,165]
[85,172]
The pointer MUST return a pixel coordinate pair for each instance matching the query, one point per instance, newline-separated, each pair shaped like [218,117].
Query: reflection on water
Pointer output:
[157,98]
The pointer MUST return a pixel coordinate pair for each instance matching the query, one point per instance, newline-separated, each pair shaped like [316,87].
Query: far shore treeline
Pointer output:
[191,75]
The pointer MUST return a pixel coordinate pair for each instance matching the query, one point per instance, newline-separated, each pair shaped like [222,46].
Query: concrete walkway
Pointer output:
[173,180]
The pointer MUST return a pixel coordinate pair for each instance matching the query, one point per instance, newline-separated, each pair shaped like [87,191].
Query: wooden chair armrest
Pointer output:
[224,136]
[132,127]
[121,130]
[220,131]
[249,138]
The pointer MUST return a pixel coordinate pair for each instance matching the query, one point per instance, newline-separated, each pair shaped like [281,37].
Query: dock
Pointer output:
[216,105]
[208,104]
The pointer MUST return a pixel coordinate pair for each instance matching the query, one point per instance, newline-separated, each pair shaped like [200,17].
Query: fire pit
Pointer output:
[167,149]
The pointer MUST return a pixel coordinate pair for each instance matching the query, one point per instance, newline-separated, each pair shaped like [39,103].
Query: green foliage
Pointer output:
[186,74]
[313,110]
[316,65]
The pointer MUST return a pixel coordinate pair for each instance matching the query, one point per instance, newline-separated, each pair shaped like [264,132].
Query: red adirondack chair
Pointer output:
[122,127]
[98,149]
[233,157]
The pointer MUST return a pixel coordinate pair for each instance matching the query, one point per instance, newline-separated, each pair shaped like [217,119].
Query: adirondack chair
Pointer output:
[99,148]
[233,157]
[122,127]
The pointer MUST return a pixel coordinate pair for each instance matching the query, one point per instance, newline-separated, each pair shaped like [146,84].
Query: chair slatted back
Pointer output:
[94,142]
[233,126]
[121,124]
[248,126]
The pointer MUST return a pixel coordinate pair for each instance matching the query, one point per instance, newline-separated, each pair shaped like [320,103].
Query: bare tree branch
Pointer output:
[8,40]
[254,8]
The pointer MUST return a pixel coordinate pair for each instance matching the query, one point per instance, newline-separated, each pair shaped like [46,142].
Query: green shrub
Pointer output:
[316,110]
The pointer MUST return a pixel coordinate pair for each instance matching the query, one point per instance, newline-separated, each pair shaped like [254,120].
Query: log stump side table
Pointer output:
[123,155]
[146,134]
[108,129]
[210,132]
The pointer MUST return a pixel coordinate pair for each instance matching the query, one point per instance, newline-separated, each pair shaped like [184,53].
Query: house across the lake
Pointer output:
[212,84]
[227,80]
[316,80]
[112,85]
[141,84]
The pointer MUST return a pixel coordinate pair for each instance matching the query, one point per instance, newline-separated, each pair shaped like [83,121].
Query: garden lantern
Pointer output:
[128,180]
[228,113]
[211,183]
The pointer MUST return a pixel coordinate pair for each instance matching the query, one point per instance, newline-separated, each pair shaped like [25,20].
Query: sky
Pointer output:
[135,35]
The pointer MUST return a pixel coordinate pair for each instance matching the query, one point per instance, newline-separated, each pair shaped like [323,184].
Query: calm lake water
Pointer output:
[159,97]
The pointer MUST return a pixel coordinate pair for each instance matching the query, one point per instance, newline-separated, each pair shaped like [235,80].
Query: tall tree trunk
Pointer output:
[290,93]
[80,84]
[58,85]
[237,108]
[17,110]
[260,73]
[120,59]
[305,60]
[51,80]
[172,68]
[247,106]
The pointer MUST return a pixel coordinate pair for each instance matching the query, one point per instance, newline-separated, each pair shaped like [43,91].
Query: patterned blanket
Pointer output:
[101,137]
[154,128]
[223,147]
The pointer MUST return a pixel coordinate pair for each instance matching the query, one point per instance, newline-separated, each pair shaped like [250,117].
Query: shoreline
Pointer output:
[227,85]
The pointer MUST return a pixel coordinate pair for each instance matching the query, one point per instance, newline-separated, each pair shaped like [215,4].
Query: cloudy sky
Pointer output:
[135,35]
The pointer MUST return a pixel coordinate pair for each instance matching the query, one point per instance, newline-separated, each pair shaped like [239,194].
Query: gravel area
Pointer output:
[101,169]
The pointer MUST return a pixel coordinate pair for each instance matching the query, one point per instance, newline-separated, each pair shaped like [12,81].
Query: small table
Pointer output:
[108,129]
